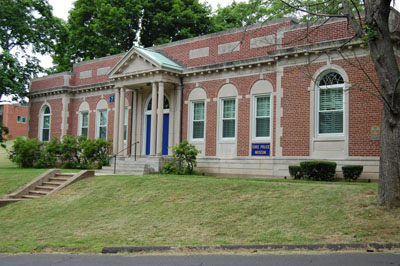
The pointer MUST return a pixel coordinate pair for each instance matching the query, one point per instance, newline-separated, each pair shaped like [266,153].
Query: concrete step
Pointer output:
[30,196]
[53,184]
[38,192]
[58,179]
[44,188]
[66,175]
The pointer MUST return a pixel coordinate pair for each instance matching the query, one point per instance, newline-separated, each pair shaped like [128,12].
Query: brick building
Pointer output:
[253,100]
[15,118]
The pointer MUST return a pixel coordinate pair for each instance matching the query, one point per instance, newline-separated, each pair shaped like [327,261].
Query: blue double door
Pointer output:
[164,137]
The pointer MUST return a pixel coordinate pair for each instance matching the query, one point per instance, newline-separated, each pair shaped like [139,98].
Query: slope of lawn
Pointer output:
[194,210]
[12,177]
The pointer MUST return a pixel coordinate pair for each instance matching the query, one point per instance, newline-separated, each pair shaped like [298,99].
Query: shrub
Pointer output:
[184,159]
[318,170]
[71,152]
[352,172]
[25,152]
[49,153]
[295,172]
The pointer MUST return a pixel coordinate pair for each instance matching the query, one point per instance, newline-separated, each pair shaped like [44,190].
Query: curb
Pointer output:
[369,247]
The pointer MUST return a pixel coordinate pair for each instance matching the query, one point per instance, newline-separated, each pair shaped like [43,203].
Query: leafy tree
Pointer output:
[26,26]
[373,27]
[97,28]
[172,20]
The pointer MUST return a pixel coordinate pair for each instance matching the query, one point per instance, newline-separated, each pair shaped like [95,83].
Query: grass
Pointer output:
[194,210]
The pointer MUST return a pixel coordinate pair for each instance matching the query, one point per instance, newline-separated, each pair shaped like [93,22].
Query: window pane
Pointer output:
[125,131]
[228,128]
[331,122]
[198,129]
[45,134]
[102,132]
[46,122]
[198,111]
[47,110]
[18,119]
[103,117]
[85,119]
[331,99]
[262,127]
[84,132]
[263,106]
[229,108]
[24,119]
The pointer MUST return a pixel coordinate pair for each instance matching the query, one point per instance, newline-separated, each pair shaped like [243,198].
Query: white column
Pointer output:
[121,121]
[139,122]
[116,121]
[160,115]
[178,113]
[133,120]
[153,120]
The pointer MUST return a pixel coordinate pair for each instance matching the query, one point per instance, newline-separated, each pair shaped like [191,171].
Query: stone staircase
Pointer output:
[47,183]
[128,165]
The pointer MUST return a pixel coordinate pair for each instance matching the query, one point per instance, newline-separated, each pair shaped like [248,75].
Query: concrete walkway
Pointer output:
[333,259]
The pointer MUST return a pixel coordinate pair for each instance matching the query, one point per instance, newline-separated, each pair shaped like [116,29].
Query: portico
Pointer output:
[154,83]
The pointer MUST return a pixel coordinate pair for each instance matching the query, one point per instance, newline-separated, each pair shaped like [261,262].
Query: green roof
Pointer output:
[158,58]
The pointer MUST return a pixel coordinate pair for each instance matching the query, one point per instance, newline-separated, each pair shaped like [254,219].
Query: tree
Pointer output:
[164,21]
[26,28]
[97,28]
[374,29]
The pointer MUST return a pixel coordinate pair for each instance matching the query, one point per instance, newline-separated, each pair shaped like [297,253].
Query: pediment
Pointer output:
[138,65]
[141,60]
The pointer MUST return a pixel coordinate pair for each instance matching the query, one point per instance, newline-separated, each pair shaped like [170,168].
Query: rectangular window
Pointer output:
[228,118]
[24,119]
[102,124]
[19,119]
[198,120]
[331,110]
[262,113]
[46,128]
[84,124]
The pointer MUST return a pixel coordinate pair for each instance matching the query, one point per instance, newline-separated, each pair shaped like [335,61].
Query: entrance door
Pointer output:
[164,137]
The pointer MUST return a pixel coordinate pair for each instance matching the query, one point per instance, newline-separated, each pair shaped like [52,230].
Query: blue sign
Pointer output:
[112,98]
[261,149]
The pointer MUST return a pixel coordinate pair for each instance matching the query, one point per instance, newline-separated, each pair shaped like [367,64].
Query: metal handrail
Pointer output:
[115,155]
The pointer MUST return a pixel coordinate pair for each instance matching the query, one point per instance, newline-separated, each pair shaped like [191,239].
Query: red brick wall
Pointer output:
[34,119]
[180,52]
[10,115]
[319,33]
[365,109]
[106,62]
[47,83]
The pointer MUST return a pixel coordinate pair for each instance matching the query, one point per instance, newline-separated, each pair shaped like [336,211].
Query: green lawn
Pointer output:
[191,210]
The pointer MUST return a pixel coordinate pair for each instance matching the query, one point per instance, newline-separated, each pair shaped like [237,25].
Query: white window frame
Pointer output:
[98,122]
[42,115]
[221,118]
[81,123]
[23,119]
[192,103]
[317,110]
[254,120]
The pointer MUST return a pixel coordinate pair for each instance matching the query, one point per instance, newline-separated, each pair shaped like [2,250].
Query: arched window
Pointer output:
[45,120]
[166,104]
[83,120]
[330,104]
[197,114]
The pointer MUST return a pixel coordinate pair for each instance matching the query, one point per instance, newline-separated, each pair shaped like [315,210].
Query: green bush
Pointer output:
[352,172]
[25,152]
[71,152]
[184,159]
[295,172]
[318,170]
[49,153]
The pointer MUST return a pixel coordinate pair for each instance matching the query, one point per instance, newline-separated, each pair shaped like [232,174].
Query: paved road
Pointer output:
[339,259]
